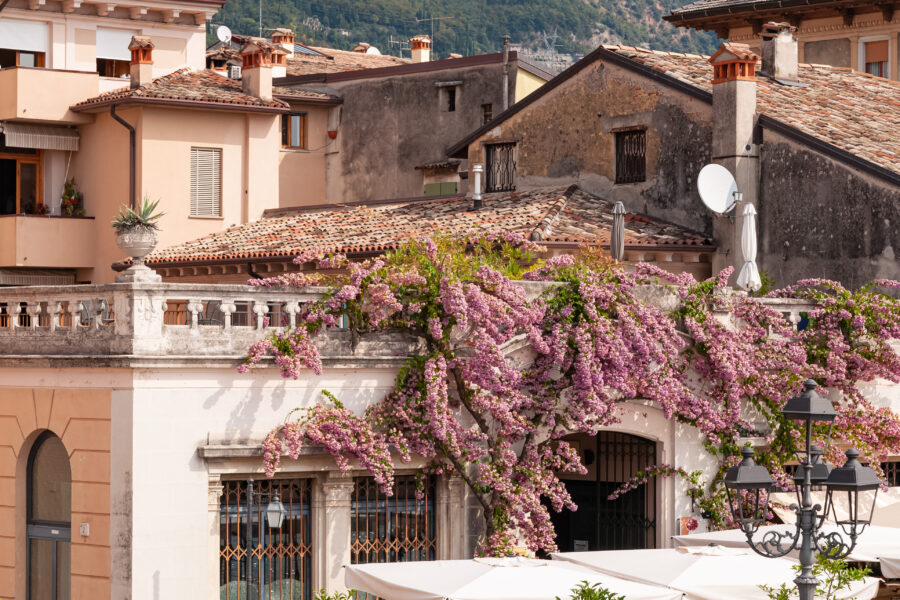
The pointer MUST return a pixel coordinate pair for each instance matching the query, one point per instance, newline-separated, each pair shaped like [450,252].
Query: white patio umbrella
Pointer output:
[488,579]
[875,544]
[617,237]
[705,574]
[748,278]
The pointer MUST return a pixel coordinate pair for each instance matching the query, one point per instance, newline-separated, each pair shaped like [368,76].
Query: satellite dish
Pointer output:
[717,187]
[373,50]
[223,33]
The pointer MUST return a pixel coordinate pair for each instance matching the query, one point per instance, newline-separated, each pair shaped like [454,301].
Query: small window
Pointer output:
[631,158]
[206,182]
[488,111]
[500,175]
[877,58]
[393,528]
[451,99]
[109,67]
[20,58]
[293,130]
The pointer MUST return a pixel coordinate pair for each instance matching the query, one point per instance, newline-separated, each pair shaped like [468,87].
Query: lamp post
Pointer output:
[748,486]
[274,515]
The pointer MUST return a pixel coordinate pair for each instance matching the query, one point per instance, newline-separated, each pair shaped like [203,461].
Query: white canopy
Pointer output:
[887,506]
[707,574]
[488,579]
[876,544]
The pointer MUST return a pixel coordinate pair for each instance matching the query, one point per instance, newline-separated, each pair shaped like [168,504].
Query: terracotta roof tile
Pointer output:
[338,61]
[550,215]
[199,86]
[855,112]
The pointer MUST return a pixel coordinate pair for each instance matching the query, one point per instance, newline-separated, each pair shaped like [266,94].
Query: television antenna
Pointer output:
[717,188]
[432,19]
[401,44]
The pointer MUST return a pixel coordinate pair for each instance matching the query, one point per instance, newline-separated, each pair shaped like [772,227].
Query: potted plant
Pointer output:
[136,229]
[71,200]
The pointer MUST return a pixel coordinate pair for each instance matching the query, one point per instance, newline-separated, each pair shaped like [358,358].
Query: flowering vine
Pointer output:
[470,409]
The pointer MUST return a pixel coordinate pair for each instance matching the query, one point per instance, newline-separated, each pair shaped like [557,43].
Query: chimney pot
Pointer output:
[361,47]
[141,48]
[284,38]
[779,52]
[258,56]
[420,48]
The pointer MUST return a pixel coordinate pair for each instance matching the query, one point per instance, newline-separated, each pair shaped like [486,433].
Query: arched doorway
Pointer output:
[49,501]
[627,523]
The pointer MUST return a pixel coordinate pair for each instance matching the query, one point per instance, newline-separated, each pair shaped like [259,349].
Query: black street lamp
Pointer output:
[748,486]
[274,515]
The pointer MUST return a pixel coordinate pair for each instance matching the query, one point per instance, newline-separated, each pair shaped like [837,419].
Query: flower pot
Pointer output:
[137,243]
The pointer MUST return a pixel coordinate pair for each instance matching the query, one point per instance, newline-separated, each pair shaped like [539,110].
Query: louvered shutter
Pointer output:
[206,182]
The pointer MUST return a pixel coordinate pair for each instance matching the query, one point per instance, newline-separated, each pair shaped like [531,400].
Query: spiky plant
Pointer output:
[144,216]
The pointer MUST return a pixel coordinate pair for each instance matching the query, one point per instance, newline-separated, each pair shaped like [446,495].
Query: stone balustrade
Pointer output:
[187,320]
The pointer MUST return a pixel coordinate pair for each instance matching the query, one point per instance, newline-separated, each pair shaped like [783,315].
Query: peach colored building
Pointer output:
[213,150]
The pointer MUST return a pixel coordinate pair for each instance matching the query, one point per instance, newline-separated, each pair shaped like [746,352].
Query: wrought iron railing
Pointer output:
[631,156]
[501,167]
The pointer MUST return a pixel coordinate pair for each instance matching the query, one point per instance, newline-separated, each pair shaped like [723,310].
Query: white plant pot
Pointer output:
[138,243]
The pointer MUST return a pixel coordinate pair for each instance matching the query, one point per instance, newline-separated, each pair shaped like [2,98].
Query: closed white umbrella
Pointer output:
[748,278]
[617,237]
[488,579]
[712,574]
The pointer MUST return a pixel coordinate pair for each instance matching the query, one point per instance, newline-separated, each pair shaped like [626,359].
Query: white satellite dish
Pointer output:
[223,33]
[373,50]
[717,187]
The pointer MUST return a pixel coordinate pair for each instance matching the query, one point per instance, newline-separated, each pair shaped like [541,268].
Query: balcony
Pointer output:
[36,94]
[47,241]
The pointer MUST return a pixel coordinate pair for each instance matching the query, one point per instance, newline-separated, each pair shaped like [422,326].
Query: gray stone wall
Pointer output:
[820,218]
[828,52]
[390,125]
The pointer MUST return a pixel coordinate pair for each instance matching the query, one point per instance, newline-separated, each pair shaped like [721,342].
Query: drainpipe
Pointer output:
[132,145]
[505,72]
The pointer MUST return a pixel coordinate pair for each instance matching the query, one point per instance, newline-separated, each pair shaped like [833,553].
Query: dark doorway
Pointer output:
[627,523]
[49,520]
[7,186]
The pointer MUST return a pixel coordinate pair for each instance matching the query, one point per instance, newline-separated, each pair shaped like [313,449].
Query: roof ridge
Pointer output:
[543,227]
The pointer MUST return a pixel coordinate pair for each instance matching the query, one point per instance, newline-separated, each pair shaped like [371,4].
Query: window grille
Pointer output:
[891,473]
[488,112]
[394,528]
[501,167]
[631,157]
[281,559]
[206,182]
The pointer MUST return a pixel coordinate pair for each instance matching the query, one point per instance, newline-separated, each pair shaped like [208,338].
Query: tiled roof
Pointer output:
[855,112]
[206,86]
[708,7]
[338,61]
[567,215]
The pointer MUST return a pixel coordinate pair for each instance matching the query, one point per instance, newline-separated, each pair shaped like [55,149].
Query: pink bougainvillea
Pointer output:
[470,411]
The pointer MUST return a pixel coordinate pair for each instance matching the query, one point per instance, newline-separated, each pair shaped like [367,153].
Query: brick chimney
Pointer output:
[141,60]
[734,119]
[420,48]
[284,38]
[259,56]
[779,52]
[361,47]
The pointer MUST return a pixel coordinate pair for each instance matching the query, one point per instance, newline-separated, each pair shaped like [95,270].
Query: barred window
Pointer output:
[206,182]
[500,175]
[392,528]
[279,561]
[631,157]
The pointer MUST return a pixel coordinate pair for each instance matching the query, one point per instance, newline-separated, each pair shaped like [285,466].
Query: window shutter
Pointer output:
[206,182]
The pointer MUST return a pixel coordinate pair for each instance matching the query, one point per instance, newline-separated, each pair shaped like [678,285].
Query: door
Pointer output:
[626,523]
[48,556]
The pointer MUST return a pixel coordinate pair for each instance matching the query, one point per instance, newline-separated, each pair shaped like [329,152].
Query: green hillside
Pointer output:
[476,26]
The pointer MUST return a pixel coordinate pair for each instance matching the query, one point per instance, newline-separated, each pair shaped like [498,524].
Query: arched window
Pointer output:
[49,520]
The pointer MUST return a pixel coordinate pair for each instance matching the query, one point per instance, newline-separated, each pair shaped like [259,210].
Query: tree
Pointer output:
[470,410]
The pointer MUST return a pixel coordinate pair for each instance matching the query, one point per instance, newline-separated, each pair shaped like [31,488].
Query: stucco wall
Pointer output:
[301,173]
[568,136]
[81,418]
[819,218]
[390,125]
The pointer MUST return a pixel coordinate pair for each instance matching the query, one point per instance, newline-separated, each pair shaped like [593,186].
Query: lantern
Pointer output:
[275,513]
[851,479]
[748,485]
[809,407]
